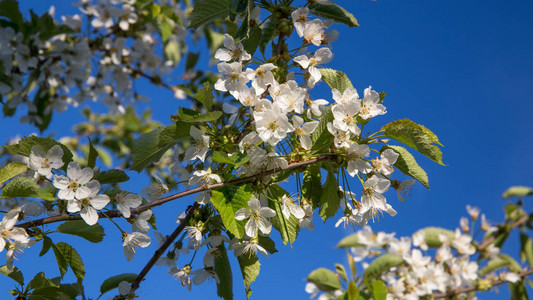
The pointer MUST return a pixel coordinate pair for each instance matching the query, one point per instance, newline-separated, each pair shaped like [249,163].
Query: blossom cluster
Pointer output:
[453,263]
[62,64]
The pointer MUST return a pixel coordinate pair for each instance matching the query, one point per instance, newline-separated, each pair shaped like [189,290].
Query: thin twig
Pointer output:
[474,288]
[116,213]
[164,247]
[491,239]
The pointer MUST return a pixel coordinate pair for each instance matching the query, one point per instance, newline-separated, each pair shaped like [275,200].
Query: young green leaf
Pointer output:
[206,11]
[228,200]
[223,271]
[93,234]
[352,293]
[335,79]
[47,243]
[526,249]
[382,264]
[112,176]
[93,154]
[349,242]
[11,170]
[415,136]
[312,185]
[518,191]
[207,117]
[20,187]
[431,235]
[250,267]
[14,274]
[321,137]
[408,165]
[113,282]
[325,280]
[334,12]
[287,228]
[40,280]
[379,290]
[329,201]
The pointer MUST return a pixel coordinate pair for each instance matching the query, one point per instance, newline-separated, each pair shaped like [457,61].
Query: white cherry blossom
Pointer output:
[90,204]
[257,218]
[370,106]
[126,201]
[232,50]
[43,163]
[74,184]
[199,148]
[304,131]
[356,162]
[272,125]
[132,240]
[141,222]
[384,164]
[288,208]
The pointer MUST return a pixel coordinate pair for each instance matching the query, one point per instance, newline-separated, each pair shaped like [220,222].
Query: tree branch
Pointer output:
[484,244]
[163,248]
[116,213]
[474,288]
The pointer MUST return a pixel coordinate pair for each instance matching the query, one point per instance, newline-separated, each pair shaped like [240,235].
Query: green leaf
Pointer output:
[493,265]
[149,147]
[206,11]
[287,228]
[93,154]
[335,79]
[93,234]
[113,282]
[352,293]
[518,291]
[236,159]
[408,165]
[431,235]
[11,170]
[382,264]
[207,117]
[518,191]
[40,280]
[325,280]
[321,137]
[267,243]
[244,30]
[62,263]
[23,147]
[47,243]
[192,59]
[341,271]
[334,12]
[223,271]
[526,249]
[268,33]
[47,193]
[312,185]
[172,51]
[112,176]
[415,136]
[10,10]
[379,290]
[513,265]
[228,200]
[20,187]
[45,293]
[14,274]
[238,6]
[205,95]
[329,201]
[252,42]
[250,270]
[68,256]
[349,242]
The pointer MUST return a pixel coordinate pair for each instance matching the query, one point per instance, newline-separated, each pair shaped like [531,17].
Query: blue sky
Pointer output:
[463,69]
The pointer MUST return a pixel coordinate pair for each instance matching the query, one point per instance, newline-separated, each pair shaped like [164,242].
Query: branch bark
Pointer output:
[474,288]
[135,284]
[116,213]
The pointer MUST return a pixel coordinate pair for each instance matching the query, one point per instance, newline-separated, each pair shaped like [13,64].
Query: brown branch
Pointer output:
[116,213]
[163,248]
[474,288]
[491,239]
